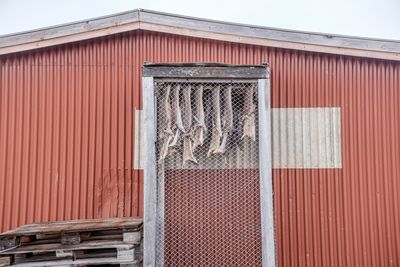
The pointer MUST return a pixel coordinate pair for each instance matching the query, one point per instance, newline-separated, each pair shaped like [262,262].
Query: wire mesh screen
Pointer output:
[208,210]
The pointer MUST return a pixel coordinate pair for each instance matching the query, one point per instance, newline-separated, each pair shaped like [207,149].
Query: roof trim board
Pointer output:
[201,28]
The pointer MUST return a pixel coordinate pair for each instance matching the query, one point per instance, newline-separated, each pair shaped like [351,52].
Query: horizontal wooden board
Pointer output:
[89,245]
[109,260]
[205,71]
[75,226]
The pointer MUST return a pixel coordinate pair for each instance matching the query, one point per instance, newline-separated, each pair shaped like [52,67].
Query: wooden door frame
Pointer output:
[207,71]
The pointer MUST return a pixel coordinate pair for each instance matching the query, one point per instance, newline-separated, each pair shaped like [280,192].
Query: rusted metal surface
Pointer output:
[67,127]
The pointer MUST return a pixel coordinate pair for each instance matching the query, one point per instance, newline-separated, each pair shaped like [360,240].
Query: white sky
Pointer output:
[369,18]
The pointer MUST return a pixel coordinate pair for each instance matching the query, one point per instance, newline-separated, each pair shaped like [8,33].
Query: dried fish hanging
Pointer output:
[199,127]
[249,127]
[166,120]
[227,119]
[177,124]
[182,125]
[216,133]
[187,124]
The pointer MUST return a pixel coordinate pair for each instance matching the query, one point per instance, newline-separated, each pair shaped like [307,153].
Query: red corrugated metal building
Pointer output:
[70,130]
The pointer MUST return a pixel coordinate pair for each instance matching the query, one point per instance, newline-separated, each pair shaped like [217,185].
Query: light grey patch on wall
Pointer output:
[306,138]
[138,141]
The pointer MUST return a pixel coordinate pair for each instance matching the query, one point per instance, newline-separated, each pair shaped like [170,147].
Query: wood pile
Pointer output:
[74,243]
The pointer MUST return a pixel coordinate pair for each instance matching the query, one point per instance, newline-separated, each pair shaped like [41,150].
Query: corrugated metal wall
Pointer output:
[66,141]
[66,138]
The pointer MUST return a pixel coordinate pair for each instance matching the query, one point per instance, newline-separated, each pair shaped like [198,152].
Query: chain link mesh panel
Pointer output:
[208,202]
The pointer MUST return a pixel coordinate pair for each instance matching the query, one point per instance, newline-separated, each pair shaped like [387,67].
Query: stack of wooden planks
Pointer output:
[74,243]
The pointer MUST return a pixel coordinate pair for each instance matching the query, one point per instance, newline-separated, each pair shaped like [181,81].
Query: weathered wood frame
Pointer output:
[150,173]
[207,71]
[265,159]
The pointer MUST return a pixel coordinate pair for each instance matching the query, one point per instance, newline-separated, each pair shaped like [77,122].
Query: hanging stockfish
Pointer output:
[166,121]
[216,133]
[187,124]
[249,127]
[227,119]
[199,127]
[177,125]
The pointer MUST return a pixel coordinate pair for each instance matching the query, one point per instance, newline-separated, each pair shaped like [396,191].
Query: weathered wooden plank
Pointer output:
[9,242]
[103,237]
[64,253]
[211,71]
[266,192]
[41,236]
[110,260]
[70,238]
[87,245]
[75,226]
[132,237]
[131,265]
[5,261]
[150,174]
[126,254]
[40,242]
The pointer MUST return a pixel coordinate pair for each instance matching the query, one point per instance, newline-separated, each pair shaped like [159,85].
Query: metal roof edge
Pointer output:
[202,28]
